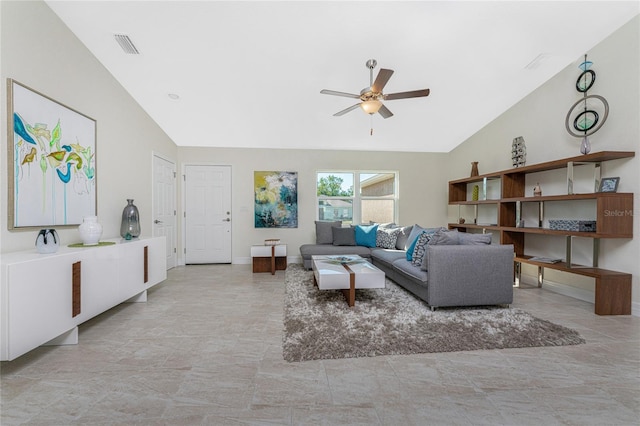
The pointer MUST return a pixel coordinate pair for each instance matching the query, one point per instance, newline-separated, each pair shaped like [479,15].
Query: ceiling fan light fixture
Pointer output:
[371,106]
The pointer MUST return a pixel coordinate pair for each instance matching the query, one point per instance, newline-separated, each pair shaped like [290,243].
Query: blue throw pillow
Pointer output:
[412,246]
[366,235]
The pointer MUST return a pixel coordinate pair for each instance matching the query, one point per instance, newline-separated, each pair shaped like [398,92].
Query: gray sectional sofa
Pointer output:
[451,269]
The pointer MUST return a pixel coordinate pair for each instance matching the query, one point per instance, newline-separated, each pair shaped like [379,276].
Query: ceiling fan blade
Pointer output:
[384,112]
[344,111]
[404,95]
[381,80]
[333,92]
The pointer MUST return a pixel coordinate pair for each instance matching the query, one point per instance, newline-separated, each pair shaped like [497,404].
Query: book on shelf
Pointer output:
[545,259]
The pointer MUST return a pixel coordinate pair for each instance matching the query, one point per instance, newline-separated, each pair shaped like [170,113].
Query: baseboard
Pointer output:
[576,293]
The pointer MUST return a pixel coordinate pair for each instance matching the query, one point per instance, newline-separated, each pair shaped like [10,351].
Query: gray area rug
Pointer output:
[391,321]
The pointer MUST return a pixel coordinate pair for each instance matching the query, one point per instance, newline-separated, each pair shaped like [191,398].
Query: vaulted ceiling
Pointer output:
[249,73]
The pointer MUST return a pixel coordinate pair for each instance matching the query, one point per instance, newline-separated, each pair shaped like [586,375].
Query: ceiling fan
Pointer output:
[372,96]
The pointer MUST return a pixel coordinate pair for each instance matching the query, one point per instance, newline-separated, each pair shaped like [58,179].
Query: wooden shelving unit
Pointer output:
[613,289]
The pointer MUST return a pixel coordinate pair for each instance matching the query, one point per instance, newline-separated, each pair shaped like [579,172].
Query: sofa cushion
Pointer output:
[412,245]
[324,234]
[441,237]
[387,225]
[416,230]
[308,250]
[408,269]
[420,249]
[366,235]
[343,236]
[444,237]
[474,239]
[387,237]
[403,236]
[387,256]
[413,238]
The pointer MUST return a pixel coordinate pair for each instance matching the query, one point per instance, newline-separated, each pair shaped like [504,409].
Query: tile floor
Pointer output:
[206,350]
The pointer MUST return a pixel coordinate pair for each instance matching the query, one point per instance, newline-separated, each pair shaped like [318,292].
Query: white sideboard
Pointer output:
[38,304]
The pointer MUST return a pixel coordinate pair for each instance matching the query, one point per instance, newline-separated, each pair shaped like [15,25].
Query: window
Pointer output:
[357,197]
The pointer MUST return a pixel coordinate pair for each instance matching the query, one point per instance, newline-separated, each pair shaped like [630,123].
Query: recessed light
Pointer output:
[173,96]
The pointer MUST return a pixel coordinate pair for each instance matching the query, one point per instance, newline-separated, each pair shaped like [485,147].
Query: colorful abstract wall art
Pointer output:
[52,161]
[276,199]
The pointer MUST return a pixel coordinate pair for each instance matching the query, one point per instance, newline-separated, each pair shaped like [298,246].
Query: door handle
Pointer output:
[226,220]
[157,221]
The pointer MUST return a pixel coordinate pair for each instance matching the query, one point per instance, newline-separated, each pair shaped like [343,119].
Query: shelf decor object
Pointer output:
[614,219]
[474,168]
[587,115]
[90,231]
[518,152]
[537,191]
[47,241]
[609,184]
[130,225]
[52,161]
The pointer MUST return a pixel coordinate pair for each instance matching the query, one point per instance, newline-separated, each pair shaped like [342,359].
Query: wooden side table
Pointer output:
[269,258]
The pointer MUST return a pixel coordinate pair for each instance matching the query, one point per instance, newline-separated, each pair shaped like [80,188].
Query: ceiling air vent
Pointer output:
[127,45]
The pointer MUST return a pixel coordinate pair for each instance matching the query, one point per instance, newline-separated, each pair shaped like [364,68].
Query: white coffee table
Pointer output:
[346,273]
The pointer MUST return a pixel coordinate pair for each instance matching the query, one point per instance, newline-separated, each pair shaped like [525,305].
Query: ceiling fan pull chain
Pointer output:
[371,132]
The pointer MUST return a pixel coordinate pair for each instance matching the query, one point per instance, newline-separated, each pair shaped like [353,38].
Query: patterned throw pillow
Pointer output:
[420,248]
[386,237]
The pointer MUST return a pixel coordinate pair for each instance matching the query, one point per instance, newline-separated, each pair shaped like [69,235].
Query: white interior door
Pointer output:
[207,214]
[164,206]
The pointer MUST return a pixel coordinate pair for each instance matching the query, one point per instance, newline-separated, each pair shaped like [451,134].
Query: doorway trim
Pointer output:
[155,154]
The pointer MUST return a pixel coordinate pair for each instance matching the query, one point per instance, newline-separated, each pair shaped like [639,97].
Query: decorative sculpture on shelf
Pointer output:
[474,168]
[518,152]
[590,112]
[537,191]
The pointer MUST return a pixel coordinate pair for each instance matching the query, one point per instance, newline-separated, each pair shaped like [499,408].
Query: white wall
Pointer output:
[38,50]
[539,118]
[423,187]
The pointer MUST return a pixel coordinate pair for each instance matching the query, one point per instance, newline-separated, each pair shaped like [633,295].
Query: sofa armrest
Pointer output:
[467,275]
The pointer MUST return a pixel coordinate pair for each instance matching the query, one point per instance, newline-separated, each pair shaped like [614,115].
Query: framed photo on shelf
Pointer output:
[609,184]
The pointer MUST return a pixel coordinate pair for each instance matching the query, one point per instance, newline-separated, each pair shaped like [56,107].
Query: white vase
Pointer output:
[90,231]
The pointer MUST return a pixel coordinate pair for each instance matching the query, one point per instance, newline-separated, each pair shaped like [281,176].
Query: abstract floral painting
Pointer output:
[276,199]
[52,159]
